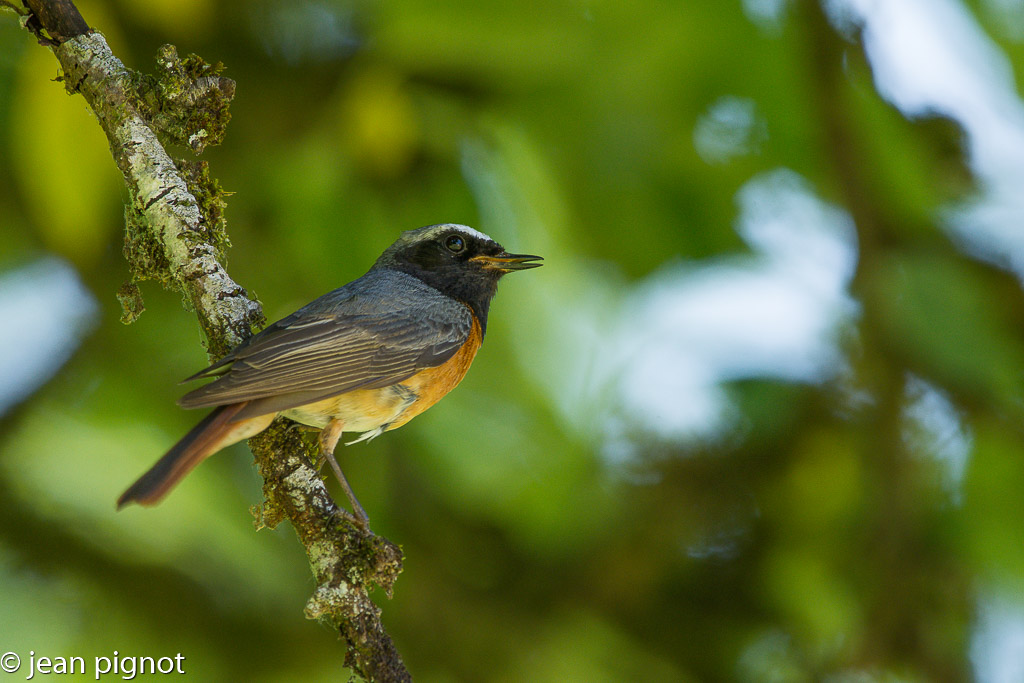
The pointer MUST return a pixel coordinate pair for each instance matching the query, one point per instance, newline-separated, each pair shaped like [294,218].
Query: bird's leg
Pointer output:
[329,437]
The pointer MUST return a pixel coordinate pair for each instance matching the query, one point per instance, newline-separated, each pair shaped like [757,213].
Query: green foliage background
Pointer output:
[565,129]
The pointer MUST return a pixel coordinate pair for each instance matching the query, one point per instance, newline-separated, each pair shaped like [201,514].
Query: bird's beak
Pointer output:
[506,262]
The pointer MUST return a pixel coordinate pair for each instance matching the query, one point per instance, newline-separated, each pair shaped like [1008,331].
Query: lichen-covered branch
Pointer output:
[175,234]
[167,233]
[345,560]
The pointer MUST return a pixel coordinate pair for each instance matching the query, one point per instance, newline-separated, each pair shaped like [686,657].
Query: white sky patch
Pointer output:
[774,314]
[729,128]
[768,14]
[45,310]
[997,646]
[932,57]
[305,32]
[932,427]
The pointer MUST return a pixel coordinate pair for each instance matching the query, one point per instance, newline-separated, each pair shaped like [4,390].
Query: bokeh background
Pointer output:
[759,417]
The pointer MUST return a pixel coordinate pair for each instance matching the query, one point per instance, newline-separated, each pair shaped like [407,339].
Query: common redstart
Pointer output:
[367,357]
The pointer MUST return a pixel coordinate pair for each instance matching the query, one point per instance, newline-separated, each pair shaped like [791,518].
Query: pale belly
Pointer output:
[363,410]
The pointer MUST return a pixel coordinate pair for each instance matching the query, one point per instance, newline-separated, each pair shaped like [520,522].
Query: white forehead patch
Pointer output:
[465,229]
[430,232]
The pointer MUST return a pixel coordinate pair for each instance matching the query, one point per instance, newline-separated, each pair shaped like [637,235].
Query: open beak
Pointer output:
[506,262]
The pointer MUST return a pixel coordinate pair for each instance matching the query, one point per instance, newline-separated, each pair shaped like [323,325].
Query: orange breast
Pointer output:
[432,384]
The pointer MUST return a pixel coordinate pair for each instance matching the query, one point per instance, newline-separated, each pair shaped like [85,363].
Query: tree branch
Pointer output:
[60,18]
[174,233]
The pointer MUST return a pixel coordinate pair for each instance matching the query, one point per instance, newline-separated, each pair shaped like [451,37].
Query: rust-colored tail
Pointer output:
[215,432]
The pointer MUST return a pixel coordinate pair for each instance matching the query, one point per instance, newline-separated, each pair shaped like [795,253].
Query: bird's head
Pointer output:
[456,260]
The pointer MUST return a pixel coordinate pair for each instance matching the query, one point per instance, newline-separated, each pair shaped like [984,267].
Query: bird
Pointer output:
[366,357]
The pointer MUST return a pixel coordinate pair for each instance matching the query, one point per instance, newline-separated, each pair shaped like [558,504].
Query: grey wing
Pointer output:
[306,358]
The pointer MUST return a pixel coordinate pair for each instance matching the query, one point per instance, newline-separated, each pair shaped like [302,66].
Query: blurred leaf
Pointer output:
[582,647]
[71,186]
[378,123]
[824,487]
[954,322]
[184,531]
[169,16]
[992,532]
[815,599]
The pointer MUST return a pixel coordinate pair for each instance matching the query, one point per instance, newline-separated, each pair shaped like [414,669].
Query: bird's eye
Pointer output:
[454,243]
